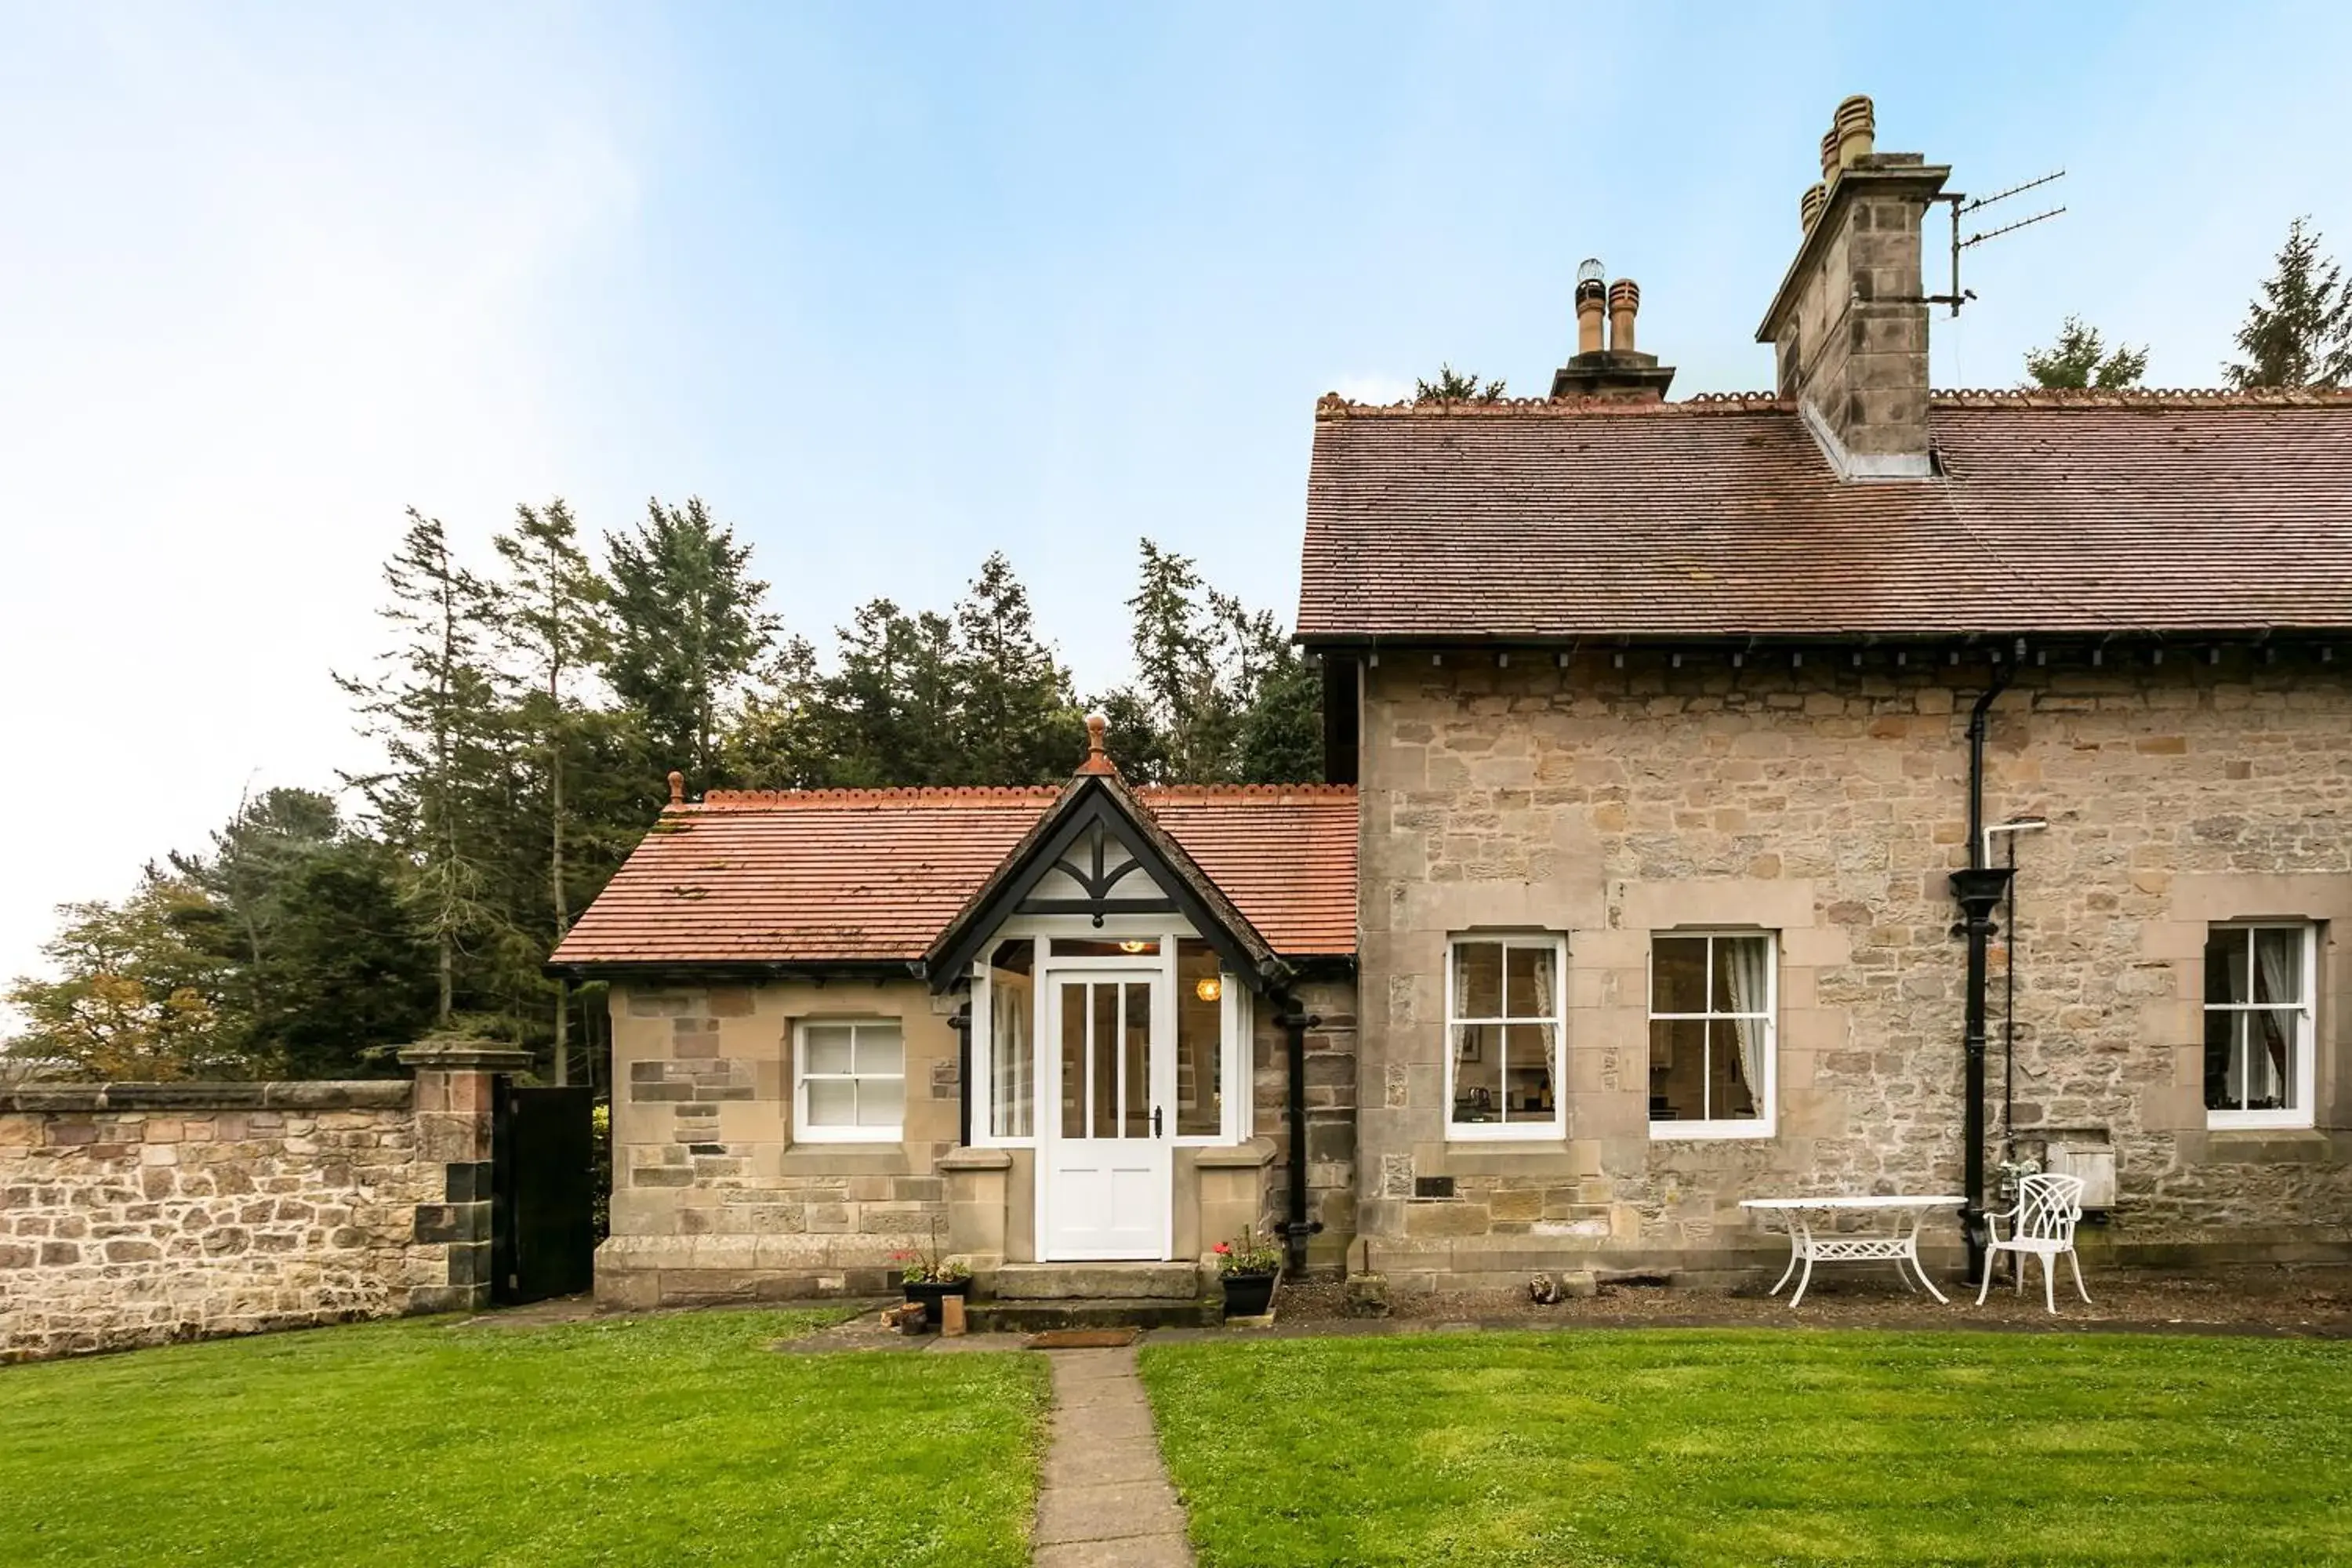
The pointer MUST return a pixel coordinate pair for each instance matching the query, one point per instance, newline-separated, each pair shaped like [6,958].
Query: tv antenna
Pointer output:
[1961,205]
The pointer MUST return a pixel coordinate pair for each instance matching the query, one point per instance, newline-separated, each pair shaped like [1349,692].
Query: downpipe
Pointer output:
[1295,1227]
[1979,891]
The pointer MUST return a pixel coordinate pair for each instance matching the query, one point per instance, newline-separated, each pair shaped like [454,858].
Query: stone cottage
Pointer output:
[1837,789]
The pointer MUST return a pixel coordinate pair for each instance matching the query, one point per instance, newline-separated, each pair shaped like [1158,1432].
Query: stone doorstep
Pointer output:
[1093,1281]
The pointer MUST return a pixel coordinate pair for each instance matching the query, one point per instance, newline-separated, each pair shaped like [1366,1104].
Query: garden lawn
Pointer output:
[1749,1447]
[677,1440]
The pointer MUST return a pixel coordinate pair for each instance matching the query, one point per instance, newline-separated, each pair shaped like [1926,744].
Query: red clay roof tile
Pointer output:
[845,876]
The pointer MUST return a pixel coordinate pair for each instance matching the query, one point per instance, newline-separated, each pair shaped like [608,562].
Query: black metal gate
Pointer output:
[543,1193]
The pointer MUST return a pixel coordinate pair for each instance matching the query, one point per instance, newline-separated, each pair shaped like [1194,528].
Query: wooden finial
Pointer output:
[1097,760]
[677,787]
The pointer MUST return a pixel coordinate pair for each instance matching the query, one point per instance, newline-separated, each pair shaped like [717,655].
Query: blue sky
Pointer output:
[895,285]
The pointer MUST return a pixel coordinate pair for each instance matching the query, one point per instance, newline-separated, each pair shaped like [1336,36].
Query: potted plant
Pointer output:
[927,1277]
[1248,1270]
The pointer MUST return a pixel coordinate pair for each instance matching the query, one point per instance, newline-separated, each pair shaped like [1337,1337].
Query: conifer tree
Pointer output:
[549,614]
[2299,334]
[2080,359]
[436,707]
[1018,719]
[688,625]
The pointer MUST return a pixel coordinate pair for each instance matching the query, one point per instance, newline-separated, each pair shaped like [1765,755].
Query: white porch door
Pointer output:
[1105,1178]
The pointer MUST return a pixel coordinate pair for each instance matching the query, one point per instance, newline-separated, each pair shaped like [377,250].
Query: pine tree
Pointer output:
[2300,332]
[437,709]
[688,626]
[2079,360]
[549,615]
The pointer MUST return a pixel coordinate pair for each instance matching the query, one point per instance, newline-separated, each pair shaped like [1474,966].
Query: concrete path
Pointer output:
[1105,1500]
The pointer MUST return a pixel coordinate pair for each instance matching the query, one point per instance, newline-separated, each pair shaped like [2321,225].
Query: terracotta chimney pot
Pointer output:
[1625,304]
[1591,296]
[1830,164]
[1856,129]
[1809,208]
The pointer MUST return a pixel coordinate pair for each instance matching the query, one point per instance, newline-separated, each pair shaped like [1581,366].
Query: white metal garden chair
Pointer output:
[2040,1226]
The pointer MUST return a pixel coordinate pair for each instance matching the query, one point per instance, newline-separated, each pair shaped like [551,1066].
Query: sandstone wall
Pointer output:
[1827,803]
[712,1197]
[135,1214]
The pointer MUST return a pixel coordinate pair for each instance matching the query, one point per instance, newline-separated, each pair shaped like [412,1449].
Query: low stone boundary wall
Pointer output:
[135,1214]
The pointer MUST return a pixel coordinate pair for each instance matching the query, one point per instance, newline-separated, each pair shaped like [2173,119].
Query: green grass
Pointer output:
[664,1440]
[1760,1448]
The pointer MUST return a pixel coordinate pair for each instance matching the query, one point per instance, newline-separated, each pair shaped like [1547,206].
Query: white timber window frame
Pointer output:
[1764,1085]
[2299,1014]
[1540,1013]
[871,1080]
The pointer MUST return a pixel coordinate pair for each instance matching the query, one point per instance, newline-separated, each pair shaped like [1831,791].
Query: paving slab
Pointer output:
[1103,1498]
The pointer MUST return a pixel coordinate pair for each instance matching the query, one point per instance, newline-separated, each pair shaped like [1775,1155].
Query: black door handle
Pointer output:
[1155,1121]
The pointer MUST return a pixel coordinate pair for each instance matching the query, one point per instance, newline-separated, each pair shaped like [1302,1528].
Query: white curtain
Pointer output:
[1546,987]
[1747,964]
[1009,1093]
[2267,1071]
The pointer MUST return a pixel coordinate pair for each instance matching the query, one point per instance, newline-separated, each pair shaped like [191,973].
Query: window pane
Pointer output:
[881,1102]
[1010,1106]
[1735,1060]
[831,1102]
[2278,965]
[1527,1083]
[881,1050]
[1678,975]
[2270,1065]
[1136,1084]
[1092,947]
[1477,979]
[1477,1072]
[1073,1061]
[2225,964]
[828,1047]
[2224,1057]
[1677,1069]
[1742,975]
[1200,1040]
[1531,989]
[1105,1055]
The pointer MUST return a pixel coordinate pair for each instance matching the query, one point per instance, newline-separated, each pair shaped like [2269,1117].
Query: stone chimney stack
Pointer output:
[1848,326]
[1616,370]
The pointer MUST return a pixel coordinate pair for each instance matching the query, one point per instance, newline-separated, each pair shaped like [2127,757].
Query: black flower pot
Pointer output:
[1248,1295]
[931,1293]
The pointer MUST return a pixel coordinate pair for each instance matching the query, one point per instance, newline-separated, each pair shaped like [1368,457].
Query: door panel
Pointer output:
[1106,1189]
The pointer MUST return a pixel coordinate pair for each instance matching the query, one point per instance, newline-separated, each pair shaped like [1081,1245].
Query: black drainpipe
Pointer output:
[1979,891]
[1296,1228]
[961,1023]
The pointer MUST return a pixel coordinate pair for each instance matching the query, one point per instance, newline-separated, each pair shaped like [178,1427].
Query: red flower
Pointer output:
[1222,1249]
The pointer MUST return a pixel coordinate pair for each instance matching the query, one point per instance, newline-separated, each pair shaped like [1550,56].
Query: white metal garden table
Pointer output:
[1898,1245]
